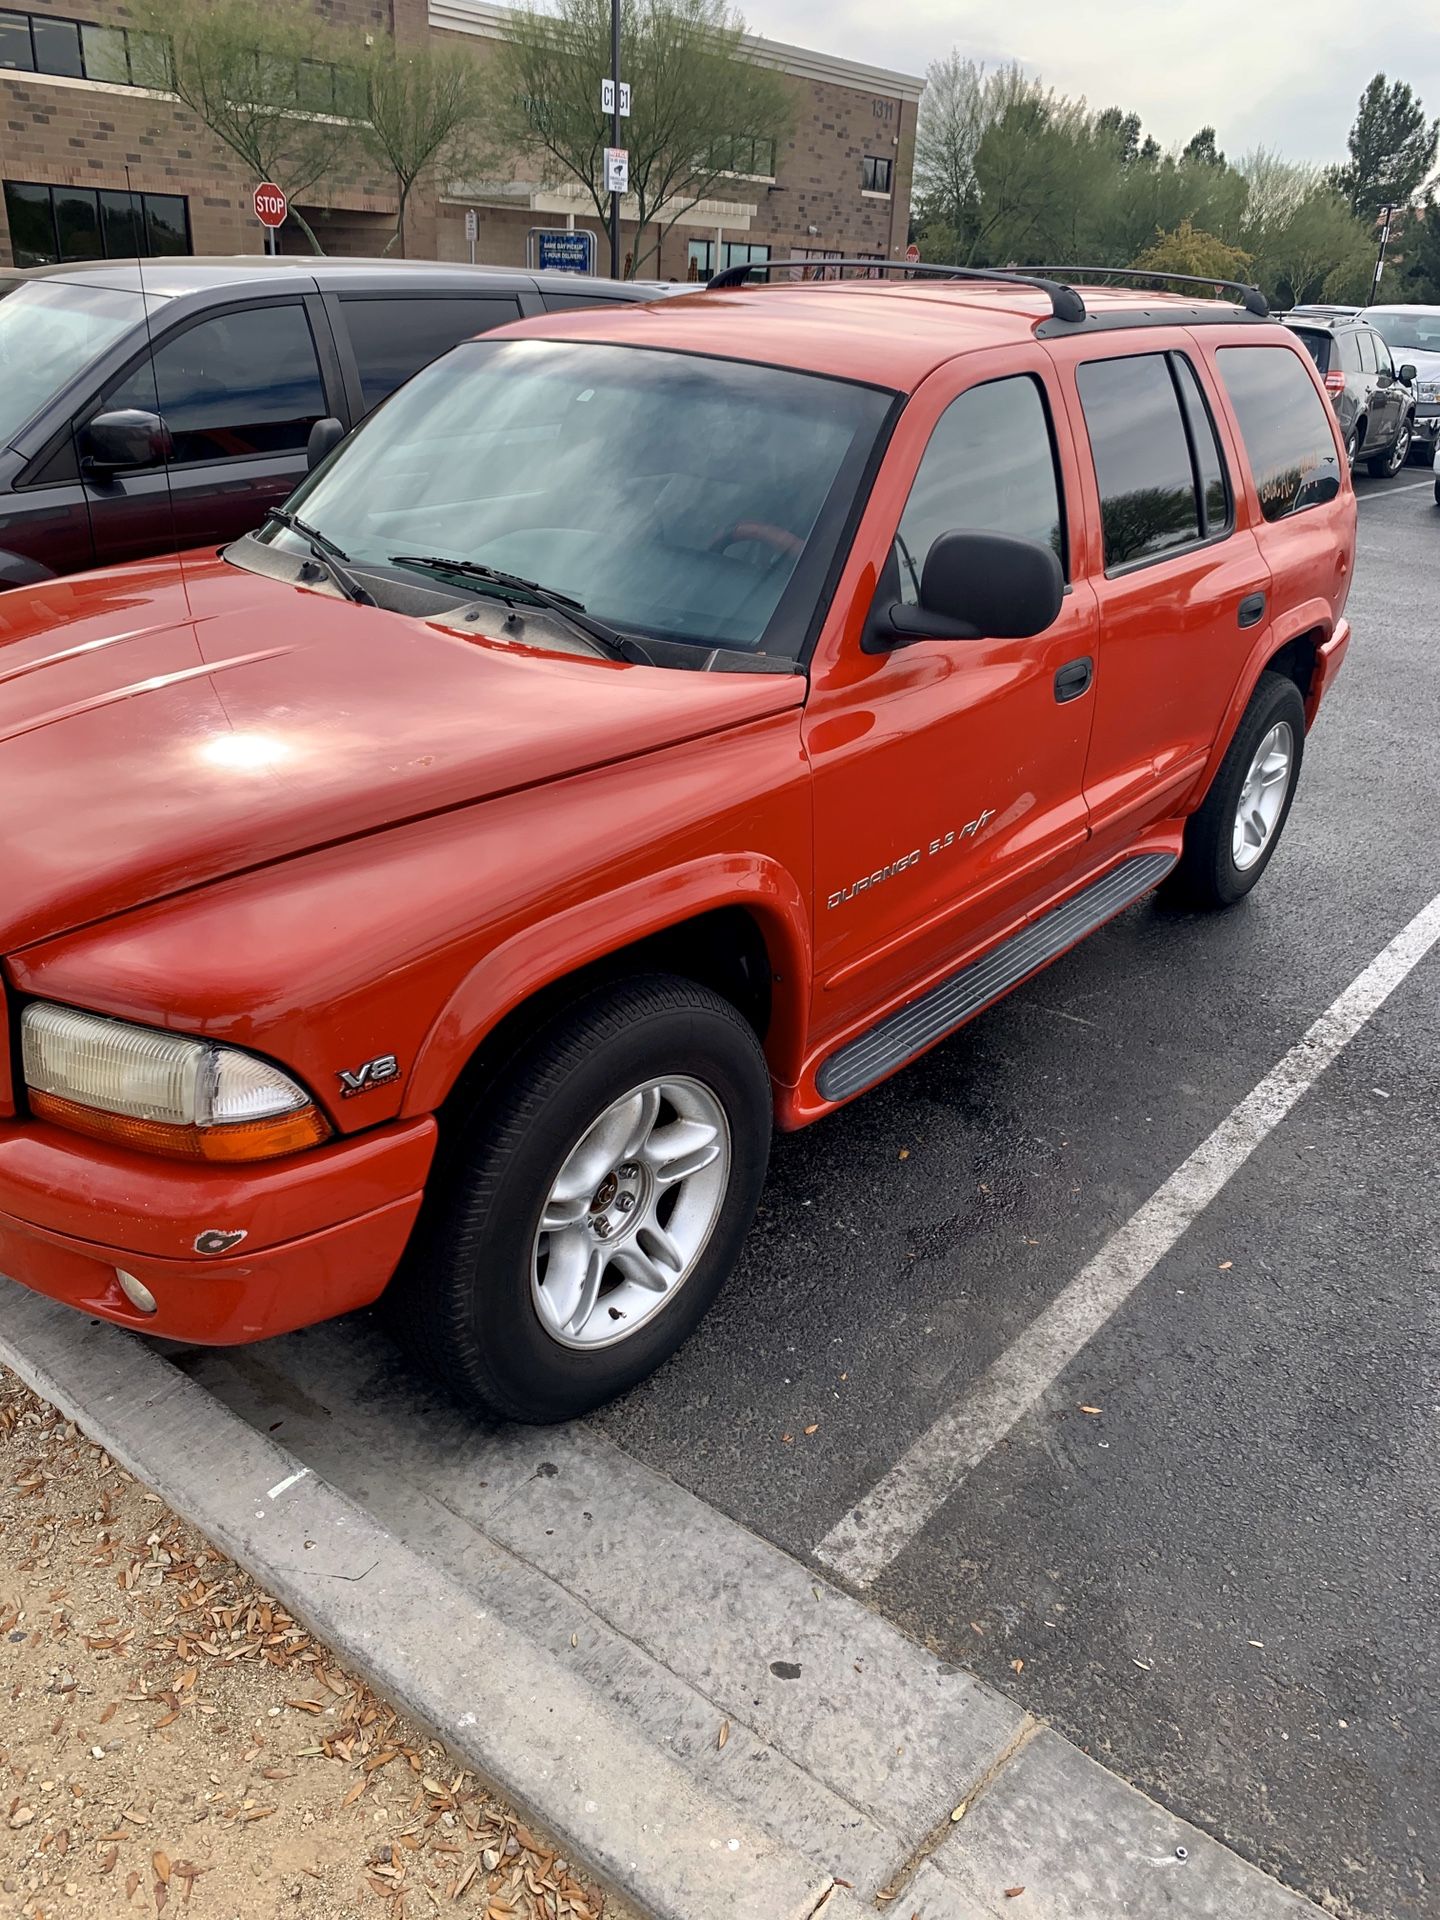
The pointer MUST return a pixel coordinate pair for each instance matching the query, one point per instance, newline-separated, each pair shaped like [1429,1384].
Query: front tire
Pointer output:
[596,1206]
[1385,466]
[1232,838]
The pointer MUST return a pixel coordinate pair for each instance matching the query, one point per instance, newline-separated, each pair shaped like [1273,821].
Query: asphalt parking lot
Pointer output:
[1206,1552]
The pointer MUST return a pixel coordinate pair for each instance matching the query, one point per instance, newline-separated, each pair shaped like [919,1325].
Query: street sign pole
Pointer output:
[615,134]
[1389,213]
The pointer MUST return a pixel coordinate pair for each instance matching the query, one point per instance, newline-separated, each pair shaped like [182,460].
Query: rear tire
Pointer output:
[516,1292]
[1241,814]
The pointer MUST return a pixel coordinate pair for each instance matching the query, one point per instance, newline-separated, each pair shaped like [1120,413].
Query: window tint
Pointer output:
[1284,423]
[240,384]
[875,174]
[989,467]
[1349,345]
[563,301]
[77,221]
[57,46]
[395,338]
[74,223]
[1142,458]
[1383,362]
[1317,345]
[1365,341]
[1209,465]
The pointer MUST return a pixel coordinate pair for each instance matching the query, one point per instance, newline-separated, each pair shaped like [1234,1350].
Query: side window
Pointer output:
[1366,343]
[394,338]
[1284,423]
[1383,362]
[1349,346]
[989,468]
[1205,444]
[239,385]
[1149,503]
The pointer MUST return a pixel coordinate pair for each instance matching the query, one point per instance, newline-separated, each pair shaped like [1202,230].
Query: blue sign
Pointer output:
[565,252]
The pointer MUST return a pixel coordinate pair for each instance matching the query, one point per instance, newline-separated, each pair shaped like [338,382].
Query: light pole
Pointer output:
[1389,213]
[615,134]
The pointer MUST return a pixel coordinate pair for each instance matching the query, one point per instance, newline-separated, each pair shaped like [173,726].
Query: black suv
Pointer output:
[248,355]
[1374,403]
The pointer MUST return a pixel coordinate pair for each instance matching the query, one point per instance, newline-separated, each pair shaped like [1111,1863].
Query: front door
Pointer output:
[947,774]
[239,392]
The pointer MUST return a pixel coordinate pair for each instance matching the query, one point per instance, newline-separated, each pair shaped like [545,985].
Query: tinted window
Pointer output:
[15,41]
[50,331]
[243,383]
[1209,465]
[989,467]
[565,302]
[167,224]
[1366,343]
[1317,345]
[121,224]
[1285,425]
[1142,458]
[395,338]
[57,46]
[32,225]
[1349,346]
[74,223]
[77,221]
[1383,362]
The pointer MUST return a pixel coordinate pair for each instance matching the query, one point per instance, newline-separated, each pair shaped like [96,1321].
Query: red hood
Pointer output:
[159,729]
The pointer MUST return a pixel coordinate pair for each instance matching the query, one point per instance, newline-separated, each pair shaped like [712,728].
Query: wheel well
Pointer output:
[723,950]
[1296,660]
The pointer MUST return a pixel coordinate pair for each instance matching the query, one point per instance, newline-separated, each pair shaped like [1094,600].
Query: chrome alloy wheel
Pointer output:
[1263,795]
[630,1212]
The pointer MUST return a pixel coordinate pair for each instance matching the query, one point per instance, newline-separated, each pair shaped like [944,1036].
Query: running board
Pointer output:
[900,1036]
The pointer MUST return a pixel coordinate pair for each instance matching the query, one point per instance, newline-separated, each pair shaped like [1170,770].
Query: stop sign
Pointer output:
[912,252]
[270,205]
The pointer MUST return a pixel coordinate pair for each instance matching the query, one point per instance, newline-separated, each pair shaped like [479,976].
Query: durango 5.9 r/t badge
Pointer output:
[942,843]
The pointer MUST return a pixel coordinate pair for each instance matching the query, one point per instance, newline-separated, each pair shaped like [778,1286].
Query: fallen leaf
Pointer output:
[109,1714]
[464,1881]
[1017,1666]
[132,1881]
[724,1734]
[161,1864]
[1092,1409]
[958,1813]
[787,1439]
[904,1153]
[810,1430]
[1226,1265]
[1013,1893]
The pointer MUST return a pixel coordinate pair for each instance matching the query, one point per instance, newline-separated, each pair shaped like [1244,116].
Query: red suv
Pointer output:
[648,728]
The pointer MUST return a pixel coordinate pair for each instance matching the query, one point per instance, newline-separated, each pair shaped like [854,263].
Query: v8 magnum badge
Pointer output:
[378,1072]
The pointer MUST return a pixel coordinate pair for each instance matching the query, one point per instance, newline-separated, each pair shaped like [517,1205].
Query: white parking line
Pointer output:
[862,1544]
[1386,493]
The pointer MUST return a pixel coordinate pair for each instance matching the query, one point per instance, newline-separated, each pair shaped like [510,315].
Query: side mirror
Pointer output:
[122,441]
[325,436]
[1407,374]
[990,586]
[1323,490]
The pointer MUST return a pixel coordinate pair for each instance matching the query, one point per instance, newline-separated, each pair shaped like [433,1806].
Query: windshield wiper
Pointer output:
[325,552]
[620,646]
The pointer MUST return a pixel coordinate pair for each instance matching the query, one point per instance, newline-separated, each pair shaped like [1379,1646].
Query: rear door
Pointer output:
[239,390]
[1180,580]
[385,337]
[1390,401]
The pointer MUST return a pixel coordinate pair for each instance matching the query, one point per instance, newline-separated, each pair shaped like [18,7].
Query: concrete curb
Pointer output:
[577,1628]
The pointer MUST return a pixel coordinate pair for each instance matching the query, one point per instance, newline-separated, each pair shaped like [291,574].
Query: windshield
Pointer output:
[50,330]
[1417,332]
[674,496]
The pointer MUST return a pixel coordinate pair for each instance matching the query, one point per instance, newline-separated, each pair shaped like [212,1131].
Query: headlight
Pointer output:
[1428,390]
[164,1094]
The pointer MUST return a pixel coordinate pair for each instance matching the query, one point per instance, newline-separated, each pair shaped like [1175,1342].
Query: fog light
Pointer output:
[135,1291]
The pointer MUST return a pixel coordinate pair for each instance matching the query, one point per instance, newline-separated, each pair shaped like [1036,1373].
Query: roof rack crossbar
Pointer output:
[1065,302]
[1252,298]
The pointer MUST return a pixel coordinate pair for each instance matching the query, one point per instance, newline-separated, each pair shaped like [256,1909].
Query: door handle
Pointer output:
[1252,610]
[1073,678]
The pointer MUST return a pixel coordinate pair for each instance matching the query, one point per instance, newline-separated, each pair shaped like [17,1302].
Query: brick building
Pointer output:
[73,123]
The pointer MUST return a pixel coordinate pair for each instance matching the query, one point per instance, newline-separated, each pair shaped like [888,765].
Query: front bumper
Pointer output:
[322,1231]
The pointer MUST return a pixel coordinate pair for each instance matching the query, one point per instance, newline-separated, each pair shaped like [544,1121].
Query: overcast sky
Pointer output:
[1286,73]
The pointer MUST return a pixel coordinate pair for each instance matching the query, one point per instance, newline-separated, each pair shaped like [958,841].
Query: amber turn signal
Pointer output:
[241,1140]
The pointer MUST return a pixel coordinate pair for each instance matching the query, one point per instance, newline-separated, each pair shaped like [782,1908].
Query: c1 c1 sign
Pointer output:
[271,205]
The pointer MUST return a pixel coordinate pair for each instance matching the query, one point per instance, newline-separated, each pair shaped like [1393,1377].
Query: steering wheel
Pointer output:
[780,539]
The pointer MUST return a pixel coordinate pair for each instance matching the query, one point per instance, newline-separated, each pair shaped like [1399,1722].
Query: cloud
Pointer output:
[1286,74]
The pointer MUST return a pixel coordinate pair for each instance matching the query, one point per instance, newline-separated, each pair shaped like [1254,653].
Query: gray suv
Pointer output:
[1413,334]
[1374,400]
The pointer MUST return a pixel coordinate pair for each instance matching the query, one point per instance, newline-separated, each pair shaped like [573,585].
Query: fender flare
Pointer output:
[547,950]
[1310,617]
[19,570]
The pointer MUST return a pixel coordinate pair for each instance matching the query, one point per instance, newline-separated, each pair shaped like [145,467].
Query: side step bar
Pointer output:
[943,1008]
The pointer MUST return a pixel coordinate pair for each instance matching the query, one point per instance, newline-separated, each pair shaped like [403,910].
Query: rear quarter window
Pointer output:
[1317,345]
[1284,423]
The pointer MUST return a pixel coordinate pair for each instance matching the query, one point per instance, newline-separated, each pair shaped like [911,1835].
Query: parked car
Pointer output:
[628,740]
[1413,335]
[1374,403]
[248,355]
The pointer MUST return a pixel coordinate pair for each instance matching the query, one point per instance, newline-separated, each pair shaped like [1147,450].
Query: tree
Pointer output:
[1124,130]
[263,80]
[1201,148]
[1188,249]
[1392,149]
[952,118]
[1304,241]
[702,108]
[1421,275]
[425,108]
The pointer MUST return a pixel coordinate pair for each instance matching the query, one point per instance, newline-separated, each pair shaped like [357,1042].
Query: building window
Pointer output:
[815,259]
[875,174]
[734,253]
[740,153]
[48,224]
[81,50]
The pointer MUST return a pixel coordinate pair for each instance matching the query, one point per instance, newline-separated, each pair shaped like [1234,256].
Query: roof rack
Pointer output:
[1252,298]
[1065,302]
